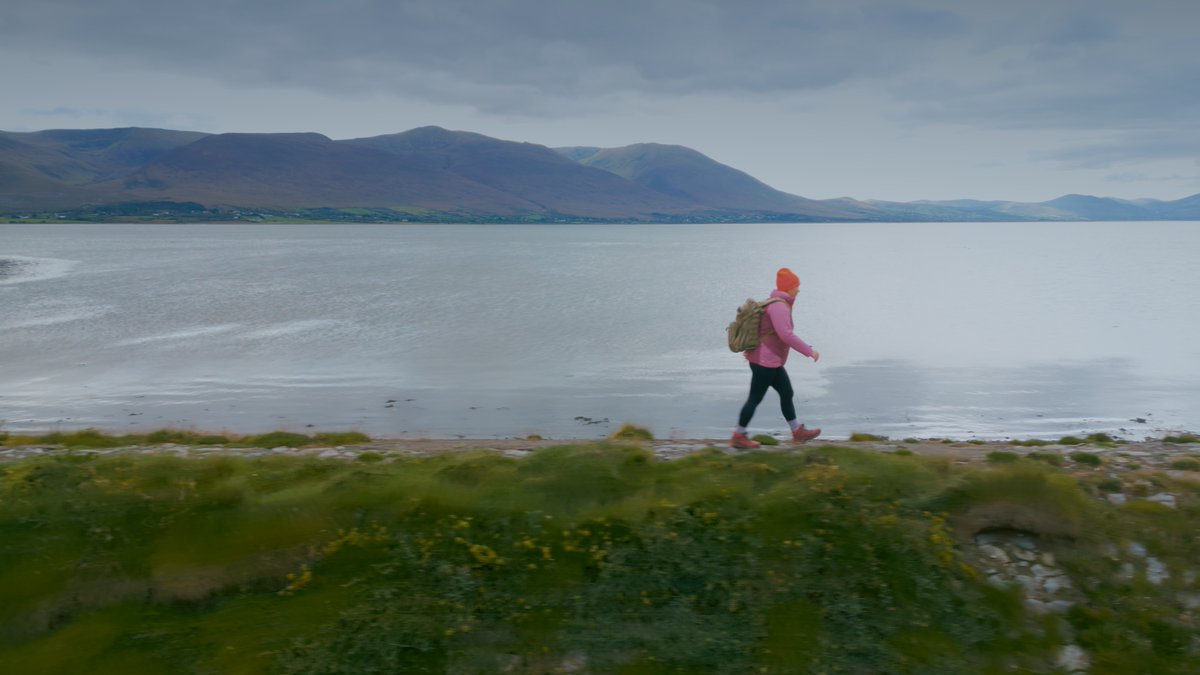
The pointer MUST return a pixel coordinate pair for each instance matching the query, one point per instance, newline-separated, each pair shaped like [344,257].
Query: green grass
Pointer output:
[1051,458]
[1186,465]
[765,439]
[277,439]
[1182,438]
[1025,496]
[1002,457]
[1098,439]
[341,438]
[859,437]
[182,437]
[823,560]
[631,433]
[1103,440]
[1086,458]
[95,439]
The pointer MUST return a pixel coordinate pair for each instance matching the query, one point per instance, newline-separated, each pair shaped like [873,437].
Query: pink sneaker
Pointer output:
[802,435]
[743,442]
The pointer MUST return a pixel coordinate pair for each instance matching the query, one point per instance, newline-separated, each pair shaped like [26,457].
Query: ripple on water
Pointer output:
[198,331]
[16,269]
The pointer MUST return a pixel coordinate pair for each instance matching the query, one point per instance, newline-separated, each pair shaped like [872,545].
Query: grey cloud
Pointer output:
[1129,147]
[664,46]
[1106,101]
[63,111]
[1111,67]
[1073,30]
[119,116]
[1143,177]
[1108,65]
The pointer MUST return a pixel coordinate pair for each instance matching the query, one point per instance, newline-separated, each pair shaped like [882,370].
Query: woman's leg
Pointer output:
[783,384]
[760,380]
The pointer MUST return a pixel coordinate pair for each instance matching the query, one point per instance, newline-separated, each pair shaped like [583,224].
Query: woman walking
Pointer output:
[767,361]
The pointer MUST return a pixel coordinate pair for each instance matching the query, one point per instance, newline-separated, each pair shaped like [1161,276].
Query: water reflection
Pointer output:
[1048,400]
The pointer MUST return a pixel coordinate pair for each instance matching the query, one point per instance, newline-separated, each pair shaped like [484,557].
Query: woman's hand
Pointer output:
[816,356]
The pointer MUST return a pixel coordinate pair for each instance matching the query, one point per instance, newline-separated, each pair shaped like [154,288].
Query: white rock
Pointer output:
[1028,582]
[1136,549]
[1117,498]
[1190,600]
[1043,571]
[984,538]
[1022,554]
[1036,606]
[1156,571]
[1059,606]
[1025,543]
[994,553]
[329,453]
[1056,584]
[1072,658]
[1165,498]
[677,448]
[1048,559]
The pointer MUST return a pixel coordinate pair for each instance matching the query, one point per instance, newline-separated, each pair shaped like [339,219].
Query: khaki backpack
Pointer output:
[743,332]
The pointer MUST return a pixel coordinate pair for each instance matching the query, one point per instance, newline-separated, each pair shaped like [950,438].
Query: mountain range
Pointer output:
[433,174]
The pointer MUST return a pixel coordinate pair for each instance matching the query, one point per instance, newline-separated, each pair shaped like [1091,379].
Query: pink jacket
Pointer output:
[772,350]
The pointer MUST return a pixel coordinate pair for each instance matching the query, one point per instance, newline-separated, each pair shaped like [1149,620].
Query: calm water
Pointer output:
[964,330]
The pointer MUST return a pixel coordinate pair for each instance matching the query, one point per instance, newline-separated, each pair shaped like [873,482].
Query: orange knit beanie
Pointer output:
[786,280]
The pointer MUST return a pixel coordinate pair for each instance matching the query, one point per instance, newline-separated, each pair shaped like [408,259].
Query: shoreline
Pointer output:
[1124,455]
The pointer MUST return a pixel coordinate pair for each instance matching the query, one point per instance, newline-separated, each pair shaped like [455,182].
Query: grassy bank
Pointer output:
[93,439]
[584,558]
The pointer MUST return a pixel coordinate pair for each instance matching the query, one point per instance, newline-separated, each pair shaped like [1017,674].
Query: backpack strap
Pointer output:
[763,304]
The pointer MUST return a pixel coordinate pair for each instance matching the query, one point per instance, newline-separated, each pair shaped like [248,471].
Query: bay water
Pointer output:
[997,330]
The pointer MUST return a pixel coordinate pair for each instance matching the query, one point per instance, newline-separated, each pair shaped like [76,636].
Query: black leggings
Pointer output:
[761,379]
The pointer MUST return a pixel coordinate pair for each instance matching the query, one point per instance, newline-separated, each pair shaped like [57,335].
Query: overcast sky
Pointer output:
[887,99]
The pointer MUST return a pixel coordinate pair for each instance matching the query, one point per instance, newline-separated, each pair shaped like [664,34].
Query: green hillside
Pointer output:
[684,173]
[438,175]
[543,178]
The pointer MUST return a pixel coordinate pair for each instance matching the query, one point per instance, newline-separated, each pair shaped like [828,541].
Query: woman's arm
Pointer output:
[781,321]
